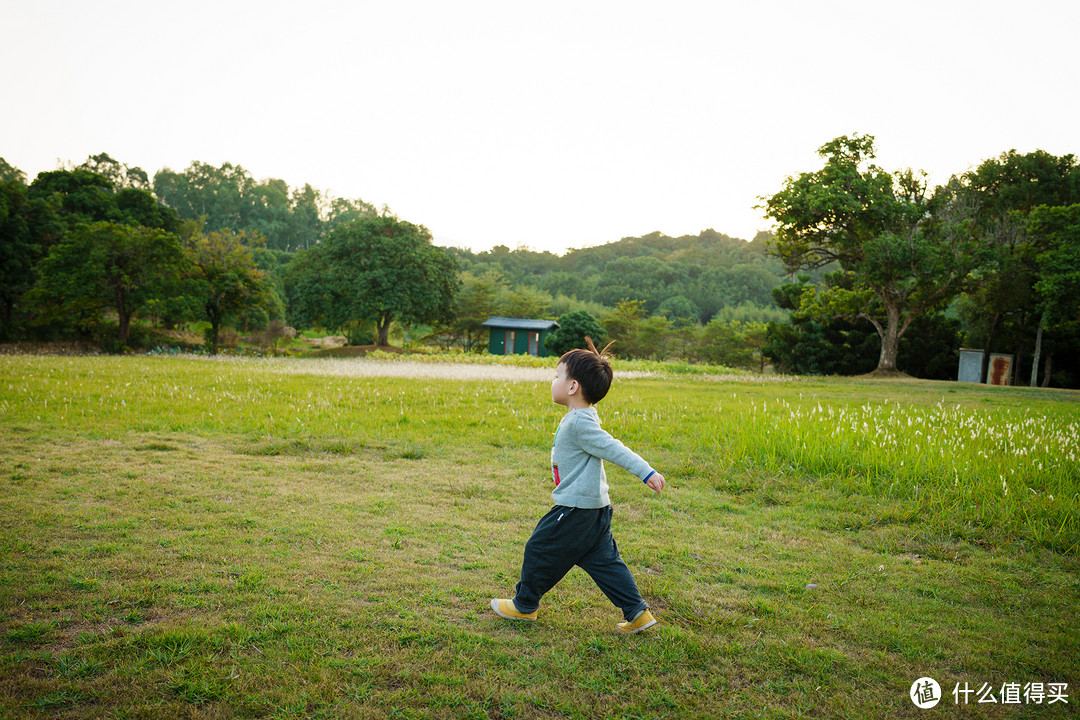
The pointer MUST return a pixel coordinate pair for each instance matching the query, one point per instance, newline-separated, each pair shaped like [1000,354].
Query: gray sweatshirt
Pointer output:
[577,456]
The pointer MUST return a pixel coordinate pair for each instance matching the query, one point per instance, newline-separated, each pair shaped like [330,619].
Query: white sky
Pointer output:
[545,124]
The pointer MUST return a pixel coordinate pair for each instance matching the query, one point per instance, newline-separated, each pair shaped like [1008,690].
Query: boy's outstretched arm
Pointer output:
[655,482]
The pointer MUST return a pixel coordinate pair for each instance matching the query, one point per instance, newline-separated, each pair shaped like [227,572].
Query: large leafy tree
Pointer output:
[63,211]
[903,255]
[222,277]
[19,250]
[120,175]
[223,195]
[639,336]
[734,344]
[10,172]
[107,266]
[810,345]
[78,195]
[1058,286]
[476,301]
[378,269]
[85,196]
[1002,192]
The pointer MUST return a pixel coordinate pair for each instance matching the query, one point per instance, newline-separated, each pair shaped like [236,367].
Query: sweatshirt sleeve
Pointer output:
[596,441]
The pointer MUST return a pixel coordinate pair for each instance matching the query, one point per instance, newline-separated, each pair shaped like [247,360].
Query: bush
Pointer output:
[574,327]
[360,334]
[734,344]
[680,311]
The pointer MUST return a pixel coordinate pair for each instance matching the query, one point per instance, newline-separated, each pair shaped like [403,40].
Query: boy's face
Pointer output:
[562,387]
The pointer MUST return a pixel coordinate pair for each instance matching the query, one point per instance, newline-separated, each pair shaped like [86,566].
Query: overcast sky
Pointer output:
[548,124]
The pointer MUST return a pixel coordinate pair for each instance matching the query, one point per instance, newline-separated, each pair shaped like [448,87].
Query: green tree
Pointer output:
[10,172]
[1058,286]
[309,289]
[734,344]
[107,266]
[79,196]
[344,211]
[638,336]
[623,325]
[82,196]
[228,197]
[679,310]
[19,251]
[475,302]
[119,175]
[524,302]
[223,278]
[306,218]
[903,256]
[573,328]
[379,269]
[1003,191]
[808,345]
[224,195]
[654,339]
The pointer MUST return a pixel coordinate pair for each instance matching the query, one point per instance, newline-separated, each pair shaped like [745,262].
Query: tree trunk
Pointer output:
[125,327]
[9,312]
[215,318]
[1038,352]
[1046,371]
[212,337]
[124,317]
[384,331]
[123,314]
[986,350]
[890,340]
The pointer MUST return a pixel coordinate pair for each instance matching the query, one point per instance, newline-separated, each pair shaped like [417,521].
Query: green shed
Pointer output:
[513,336]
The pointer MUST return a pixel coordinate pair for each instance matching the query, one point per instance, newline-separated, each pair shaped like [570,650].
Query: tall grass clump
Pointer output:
[976,471]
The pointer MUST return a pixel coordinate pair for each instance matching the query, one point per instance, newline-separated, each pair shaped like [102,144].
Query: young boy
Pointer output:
[577,531]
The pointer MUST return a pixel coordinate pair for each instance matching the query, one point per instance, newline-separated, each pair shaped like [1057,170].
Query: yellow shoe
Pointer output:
[642,621]
[506,609]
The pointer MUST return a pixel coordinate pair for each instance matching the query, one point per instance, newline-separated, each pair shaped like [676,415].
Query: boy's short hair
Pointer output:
[592,370]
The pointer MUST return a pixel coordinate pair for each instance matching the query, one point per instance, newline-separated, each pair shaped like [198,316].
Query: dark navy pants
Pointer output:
[566,537]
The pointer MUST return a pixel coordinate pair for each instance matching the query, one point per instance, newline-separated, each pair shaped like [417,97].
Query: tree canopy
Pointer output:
[222,278]
[229,198]
[903,255]
[573,331]
[107,265]
[377,269]
[1001,193]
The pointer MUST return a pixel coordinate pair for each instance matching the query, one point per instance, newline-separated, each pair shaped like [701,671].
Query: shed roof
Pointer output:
[520,324]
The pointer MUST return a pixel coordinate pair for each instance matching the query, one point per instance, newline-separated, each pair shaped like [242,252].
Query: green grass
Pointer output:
[216,539]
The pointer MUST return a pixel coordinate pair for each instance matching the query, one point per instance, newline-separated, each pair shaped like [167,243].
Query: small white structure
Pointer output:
[999,372]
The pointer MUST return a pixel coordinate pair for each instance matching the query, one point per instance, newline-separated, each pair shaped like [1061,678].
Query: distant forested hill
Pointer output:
[692,276]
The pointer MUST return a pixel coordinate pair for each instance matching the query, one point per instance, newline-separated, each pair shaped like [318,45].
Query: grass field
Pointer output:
[191,538]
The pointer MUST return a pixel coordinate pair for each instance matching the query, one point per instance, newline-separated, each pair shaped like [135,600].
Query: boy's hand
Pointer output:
[655,482]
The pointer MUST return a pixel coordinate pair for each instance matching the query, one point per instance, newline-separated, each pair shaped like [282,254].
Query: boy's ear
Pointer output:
[574,387]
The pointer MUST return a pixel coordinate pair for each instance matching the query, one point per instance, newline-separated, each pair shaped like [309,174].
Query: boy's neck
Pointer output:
[577,403]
